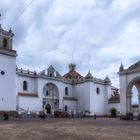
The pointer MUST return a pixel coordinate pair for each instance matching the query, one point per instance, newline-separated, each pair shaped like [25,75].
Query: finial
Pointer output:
[121,67]
[72,67]
[0,19]
[89,75]
[10,30]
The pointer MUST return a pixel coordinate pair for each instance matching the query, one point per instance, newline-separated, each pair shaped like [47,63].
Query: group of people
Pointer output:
[42,115]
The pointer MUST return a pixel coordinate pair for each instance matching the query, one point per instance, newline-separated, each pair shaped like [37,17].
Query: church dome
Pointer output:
[72,74]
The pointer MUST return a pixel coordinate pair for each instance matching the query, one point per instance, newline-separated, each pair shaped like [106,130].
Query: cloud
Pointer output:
[94,34]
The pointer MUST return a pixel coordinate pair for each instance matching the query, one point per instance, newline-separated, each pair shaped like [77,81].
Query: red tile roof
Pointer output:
[72,75]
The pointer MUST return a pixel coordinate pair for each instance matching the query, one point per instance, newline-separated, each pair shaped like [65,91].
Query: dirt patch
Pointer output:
[69,129]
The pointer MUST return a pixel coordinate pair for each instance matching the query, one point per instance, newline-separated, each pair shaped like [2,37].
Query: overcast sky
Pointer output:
[96,35]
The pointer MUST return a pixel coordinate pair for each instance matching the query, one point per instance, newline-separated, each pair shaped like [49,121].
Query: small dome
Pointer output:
[89,76]
[107,80]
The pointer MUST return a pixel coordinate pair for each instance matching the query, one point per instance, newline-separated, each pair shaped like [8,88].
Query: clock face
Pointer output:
[2,72]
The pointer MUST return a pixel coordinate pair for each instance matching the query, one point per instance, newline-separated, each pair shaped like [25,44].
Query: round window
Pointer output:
[2,72]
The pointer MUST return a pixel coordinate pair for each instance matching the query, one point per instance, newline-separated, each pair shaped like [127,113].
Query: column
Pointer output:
[0,38]
[129,103]
[139,102]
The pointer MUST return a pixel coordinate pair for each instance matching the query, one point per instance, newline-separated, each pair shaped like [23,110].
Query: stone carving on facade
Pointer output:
[115,97]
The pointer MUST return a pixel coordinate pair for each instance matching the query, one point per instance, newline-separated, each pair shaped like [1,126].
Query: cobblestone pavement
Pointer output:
[69,129]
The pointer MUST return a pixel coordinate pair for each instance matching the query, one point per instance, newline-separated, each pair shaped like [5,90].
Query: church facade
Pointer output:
[48,90]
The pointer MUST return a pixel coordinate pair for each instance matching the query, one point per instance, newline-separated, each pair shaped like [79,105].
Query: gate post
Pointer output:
[129,102]
[139,102]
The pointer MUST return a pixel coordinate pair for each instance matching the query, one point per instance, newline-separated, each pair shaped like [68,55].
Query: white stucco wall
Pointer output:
[29,103]
[7,83]
[98,101]
[12,84]
[82,92]
[32,84]
[72,105]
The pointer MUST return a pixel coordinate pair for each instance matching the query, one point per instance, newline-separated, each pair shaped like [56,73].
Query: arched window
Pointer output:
[66,108]
[25,85]
[66,90]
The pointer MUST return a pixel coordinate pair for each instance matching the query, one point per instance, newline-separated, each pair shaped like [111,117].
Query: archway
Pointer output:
[133,96]
[48,108]
[129,78]
[51,97]
[113,113]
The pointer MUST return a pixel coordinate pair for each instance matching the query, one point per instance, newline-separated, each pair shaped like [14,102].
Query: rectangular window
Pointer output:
[66,90]
[98,90]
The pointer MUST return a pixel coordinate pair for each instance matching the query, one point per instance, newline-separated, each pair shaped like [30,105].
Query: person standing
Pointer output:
[95,116]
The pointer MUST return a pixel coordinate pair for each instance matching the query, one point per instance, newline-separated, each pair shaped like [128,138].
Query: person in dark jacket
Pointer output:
[5,116]
[95,116]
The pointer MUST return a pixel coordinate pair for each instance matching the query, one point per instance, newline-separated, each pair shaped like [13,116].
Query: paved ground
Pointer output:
[70,129]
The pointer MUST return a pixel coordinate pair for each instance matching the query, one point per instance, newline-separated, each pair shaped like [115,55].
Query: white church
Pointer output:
[49,91]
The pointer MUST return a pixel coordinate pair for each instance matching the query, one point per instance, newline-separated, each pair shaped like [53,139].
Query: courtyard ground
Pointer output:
[69,129]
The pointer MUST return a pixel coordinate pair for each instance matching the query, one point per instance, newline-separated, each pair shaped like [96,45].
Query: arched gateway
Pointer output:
[128,79]
[51,98]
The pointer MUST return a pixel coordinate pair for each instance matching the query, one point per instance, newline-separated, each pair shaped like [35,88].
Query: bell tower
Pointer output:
[6,38]
[7,72]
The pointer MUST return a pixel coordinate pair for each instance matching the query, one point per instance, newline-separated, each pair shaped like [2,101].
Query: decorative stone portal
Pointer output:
[128,79]
[51,98]
[48,108]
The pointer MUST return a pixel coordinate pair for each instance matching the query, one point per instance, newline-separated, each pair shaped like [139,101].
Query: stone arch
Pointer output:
[128,78]
[51,89]
[51,97]
[134,82]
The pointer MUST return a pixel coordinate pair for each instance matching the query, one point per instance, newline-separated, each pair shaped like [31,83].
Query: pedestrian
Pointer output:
[95,116]
[5,116]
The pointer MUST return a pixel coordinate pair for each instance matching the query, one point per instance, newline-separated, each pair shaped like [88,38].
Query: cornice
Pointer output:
[8,52]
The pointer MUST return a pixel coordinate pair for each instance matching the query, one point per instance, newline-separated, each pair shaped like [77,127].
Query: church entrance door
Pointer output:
[113,113]
[48,108]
